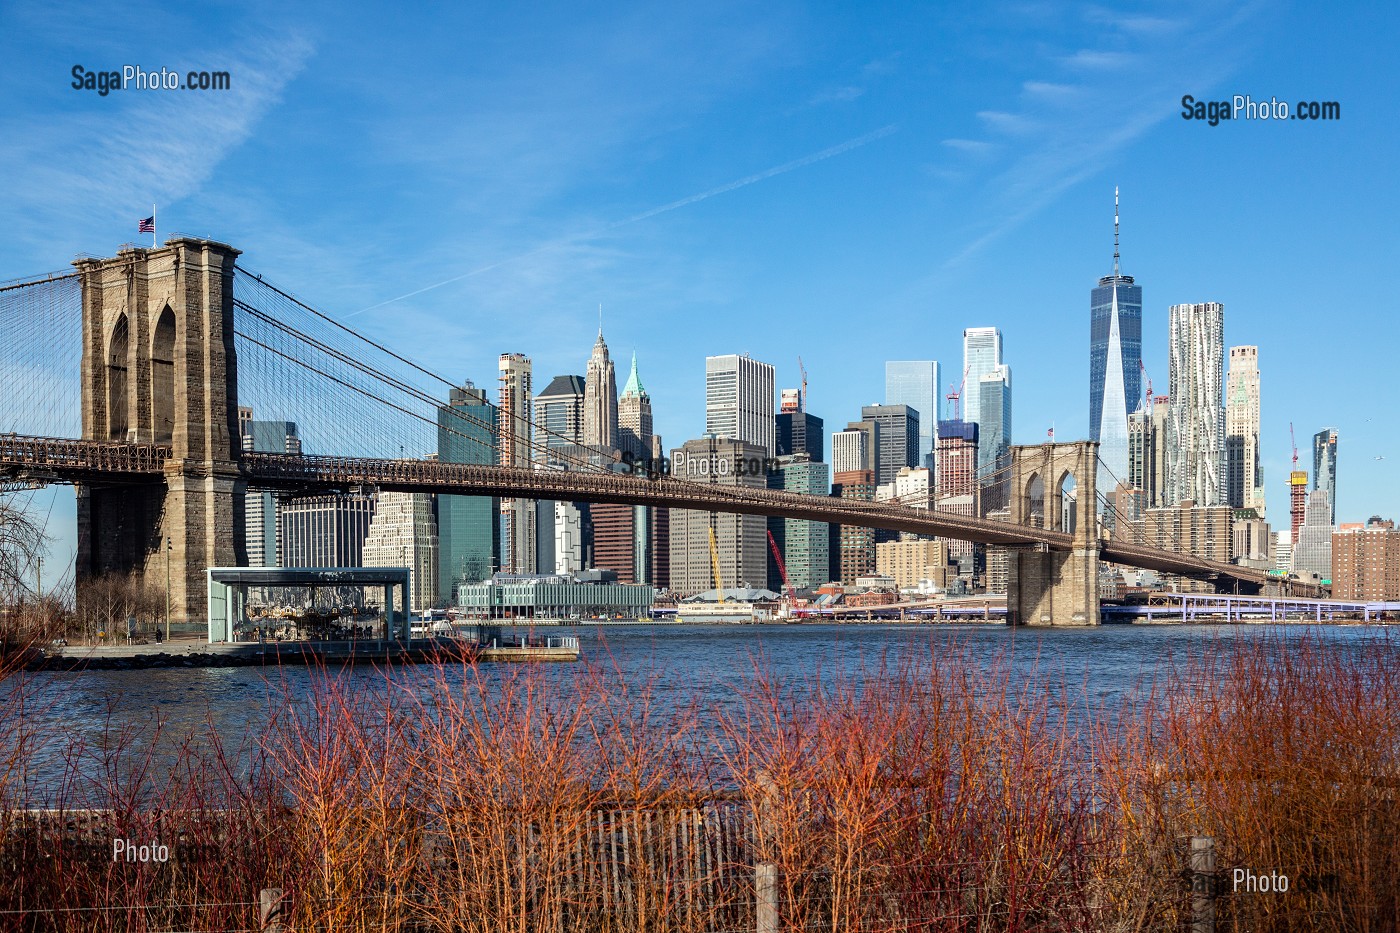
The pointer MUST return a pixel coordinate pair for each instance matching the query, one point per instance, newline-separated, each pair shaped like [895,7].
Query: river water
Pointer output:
[710,664]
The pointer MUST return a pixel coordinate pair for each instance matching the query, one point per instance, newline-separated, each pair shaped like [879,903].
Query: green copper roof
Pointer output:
[634,383]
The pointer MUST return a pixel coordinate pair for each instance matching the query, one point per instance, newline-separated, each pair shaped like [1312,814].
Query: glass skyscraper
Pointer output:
[987,377]
[896,439]
[1325,466]
[468,530]
[981,355]
[1115,365]
[994,448]
[915,383]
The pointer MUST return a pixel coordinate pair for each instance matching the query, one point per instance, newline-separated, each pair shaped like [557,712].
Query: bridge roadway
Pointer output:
[40,459]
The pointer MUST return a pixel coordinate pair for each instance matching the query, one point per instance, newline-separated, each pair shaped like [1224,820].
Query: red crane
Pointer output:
[1294,440]
[782,568]
[1147,395]
[955,394]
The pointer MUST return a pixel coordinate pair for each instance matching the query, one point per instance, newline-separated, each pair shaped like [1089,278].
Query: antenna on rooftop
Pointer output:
[1115,230]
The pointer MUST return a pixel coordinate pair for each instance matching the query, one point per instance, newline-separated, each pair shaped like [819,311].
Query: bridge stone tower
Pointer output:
[1046,587]
[159,367]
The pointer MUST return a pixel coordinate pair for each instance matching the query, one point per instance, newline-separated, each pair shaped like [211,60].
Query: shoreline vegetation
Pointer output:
[934,794]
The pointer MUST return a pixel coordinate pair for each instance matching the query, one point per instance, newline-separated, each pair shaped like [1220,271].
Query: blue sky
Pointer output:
[848,184]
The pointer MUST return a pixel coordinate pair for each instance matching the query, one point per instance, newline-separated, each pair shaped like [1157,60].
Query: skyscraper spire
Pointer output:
[1115,241]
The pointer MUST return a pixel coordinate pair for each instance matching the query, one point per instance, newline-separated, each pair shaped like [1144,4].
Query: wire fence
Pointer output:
[704,868]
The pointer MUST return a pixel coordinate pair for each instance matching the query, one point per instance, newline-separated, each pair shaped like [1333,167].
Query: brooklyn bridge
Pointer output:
[124,377]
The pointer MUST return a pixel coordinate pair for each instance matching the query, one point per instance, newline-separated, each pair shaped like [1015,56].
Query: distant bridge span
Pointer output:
[98,462]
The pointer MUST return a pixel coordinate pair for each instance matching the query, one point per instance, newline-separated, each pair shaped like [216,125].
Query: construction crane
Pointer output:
[955,394]
[1147,395]
[714,562]
[782,568]
[1293,438]
[802,399]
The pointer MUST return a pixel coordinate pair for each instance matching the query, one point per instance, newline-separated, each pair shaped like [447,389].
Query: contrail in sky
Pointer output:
[836,150]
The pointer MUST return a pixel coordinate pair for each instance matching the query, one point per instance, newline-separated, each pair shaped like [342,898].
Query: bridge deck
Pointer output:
[77,461]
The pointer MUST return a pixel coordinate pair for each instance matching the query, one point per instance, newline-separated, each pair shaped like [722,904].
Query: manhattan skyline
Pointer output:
[853,188]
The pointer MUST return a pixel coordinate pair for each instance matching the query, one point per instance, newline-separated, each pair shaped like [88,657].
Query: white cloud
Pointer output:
[135,147]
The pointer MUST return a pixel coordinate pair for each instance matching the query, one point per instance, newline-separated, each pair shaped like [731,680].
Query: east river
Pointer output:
[710,665]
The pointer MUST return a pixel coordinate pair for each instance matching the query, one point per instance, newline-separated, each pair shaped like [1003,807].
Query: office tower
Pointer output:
[797,431]
[848,452]
[326,530]
[617,529]
[1244,475]
[803,544]
[914,487]
[957,490]
[1366,562]
[468,527]
[981,355]
[403,534]
[1143,443]
[739,400]
[625,537]
[742,540]
[567,527]
[600,398]
[260,505]
[1251,540]
[515,417]
[915,383]
[1196,423]
[869,446]
[994,439]
[1312,550]
[1115,365]
[660,544]
[634,427]
[1325,466]
[896,439]
[1160,416]
[1282,547]
[857,544]
[801,433]
[559,417]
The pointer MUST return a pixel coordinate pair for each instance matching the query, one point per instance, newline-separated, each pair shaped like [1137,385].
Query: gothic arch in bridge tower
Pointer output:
[1045,586]
[1065,486]
[163,378]
[159,368]
[1033,496]
[118,372]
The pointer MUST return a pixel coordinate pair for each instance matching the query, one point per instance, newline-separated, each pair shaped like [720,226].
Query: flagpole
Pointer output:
[153,226]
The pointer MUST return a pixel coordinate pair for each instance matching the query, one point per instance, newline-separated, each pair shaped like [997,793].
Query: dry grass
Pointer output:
[933,794]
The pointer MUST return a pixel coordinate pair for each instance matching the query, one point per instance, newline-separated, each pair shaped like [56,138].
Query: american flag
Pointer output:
[1050,433]
[147,226]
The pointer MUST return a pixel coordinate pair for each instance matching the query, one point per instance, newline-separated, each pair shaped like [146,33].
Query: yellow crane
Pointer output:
[714,563]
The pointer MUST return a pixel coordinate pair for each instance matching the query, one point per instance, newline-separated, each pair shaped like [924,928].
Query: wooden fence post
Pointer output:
[1201,870]
[271,914]
[765,879]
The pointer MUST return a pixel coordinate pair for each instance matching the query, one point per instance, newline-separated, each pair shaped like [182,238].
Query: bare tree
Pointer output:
[22,544]
[105,603]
